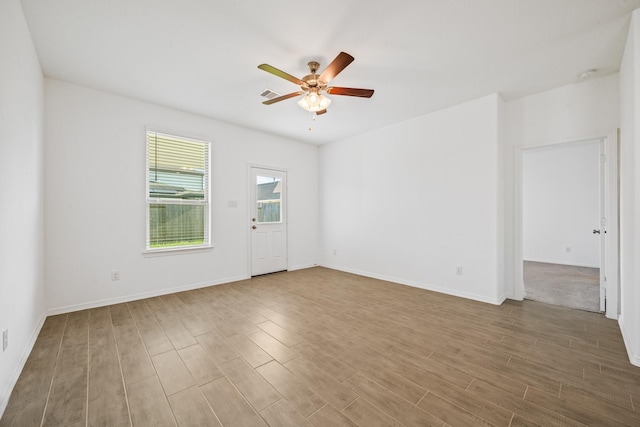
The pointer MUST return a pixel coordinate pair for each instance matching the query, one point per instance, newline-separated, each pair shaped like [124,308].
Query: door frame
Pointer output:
[612,262]
[285,210]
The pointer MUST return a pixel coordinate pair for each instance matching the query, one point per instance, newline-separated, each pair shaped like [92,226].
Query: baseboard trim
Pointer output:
[143,295]
[425,286]
[560,263]
[302,267]
[512,297]
[23,360]
[633,358]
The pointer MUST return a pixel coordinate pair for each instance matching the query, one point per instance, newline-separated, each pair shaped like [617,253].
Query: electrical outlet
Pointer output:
[459,270]
[5,339]
[115,275]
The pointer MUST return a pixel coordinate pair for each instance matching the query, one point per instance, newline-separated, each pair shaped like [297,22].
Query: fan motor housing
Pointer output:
[311,80]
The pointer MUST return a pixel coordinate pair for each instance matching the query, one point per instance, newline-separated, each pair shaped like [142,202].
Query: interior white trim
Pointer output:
[633,358]
[176,251]
[134,297]
[23,360]
[518,246]
[556,262]
[301,267]
[414,284]
[611,148]
[613,227]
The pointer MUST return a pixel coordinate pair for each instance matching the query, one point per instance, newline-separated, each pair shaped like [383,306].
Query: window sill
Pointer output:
[176,251]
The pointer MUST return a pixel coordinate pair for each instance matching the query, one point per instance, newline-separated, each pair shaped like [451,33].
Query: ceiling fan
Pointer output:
[313,85]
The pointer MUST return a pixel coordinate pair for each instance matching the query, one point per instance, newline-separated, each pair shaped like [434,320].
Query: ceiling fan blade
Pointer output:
[282,98]
[349,91]
[321,112]
[337,65]
[269,69]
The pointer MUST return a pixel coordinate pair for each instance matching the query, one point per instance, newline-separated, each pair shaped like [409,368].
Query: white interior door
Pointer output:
[268,221]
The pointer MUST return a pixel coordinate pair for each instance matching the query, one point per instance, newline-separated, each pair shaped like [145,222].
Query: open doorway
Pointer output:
[563,248]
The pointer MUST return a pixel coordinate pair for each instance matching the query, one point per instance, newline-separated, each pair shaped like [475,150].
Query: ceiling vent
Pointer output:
[269,94]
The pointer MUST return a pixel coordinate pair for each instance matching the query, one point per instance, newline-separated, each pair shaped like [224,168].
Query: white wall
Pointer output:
[95,199]
[630,191]
[561,204]
[575,112]
[21,194]
[411,201]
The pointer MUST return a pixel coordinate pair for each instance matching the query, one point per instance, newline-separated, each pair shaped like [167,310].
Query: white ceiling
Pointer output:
[201,56]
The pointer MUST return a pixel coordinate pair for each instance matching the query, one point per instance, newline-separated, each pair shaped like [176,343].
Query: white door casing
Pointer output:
[268,220]
[610,200]
[603,226]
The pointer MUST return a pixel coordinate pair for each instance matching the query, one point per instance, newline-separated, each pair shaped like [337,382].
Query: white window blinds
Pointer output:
[177,192]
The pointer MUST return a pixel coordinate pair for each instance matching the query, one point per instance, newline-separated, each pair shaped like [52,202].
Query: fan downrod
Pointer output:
[313,66]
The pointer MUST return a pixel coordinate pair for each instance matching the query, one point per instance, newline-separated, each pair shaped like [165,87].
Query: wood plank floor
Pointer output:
[319,347]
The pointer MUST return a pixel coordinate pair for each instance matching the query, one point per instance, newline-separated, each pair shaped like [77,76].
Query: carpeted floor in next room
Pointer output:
[565,285]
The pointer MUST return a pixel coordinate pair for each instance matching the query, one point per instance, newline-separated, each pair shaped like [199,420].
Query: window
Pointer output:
[177,192]
[268,196]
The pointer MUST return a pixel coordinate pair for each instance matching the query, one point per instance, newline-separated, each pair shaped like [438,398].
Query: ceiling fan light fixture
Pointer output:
[314,102]
[313,86]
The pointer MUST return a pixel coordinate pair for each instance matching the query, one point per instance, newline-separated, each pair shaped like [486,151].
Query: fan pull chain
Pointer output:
[313,119]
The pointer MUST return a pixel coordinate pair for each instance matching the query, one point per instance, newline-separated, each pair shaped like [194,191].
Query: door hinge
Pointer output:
[603,158]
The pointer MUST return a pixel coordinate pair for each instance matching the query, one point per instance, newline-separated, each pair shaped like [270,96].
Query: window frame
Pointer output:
[149,201]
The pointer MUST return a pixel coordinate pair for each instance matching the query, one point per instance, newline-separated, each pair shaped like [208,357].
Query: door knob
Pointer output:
[254,227]
[596,231]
